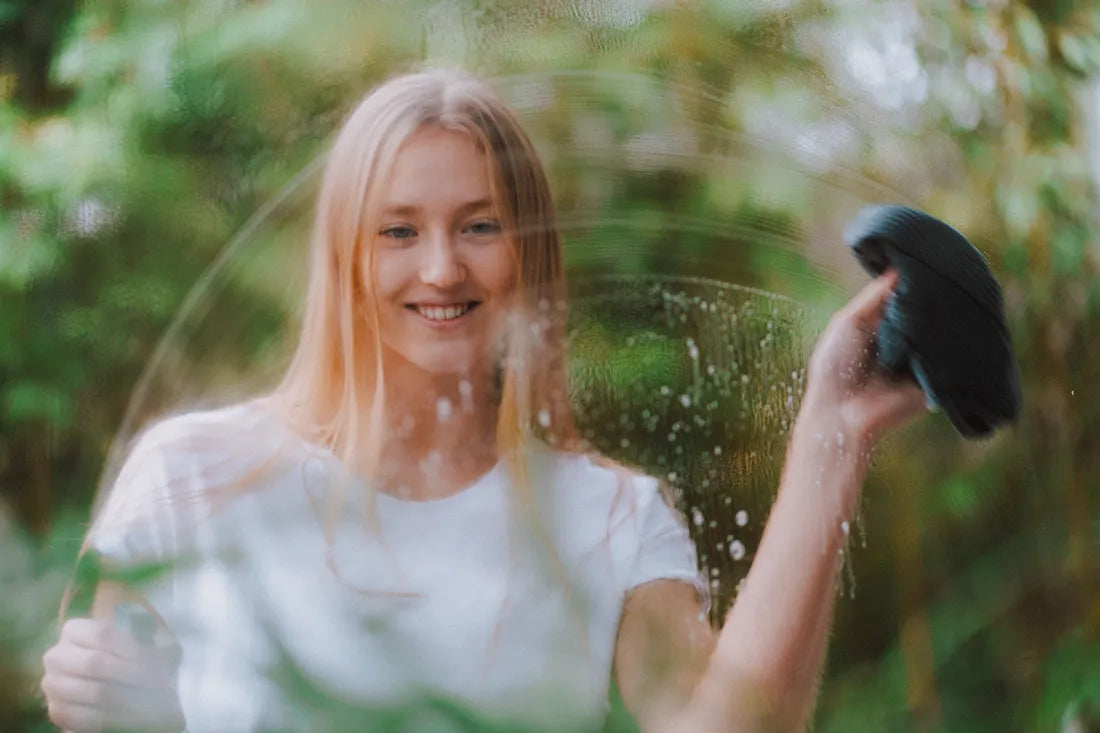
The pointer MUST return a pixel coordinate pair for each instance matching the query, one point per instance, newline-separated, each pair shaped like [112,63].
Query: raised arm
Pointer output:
[763,672]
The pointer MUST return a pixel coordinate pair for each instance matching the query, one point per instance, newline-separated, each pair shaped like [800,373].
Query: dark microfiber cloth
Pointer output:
[944,324]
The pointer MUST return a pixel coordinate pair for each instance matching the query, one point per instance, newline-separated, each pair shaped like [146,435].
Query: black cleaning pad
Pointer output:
[944,324]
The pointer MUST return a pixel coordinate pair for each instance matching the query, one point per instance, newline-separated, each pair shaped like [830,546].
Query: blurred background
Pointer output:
[157,167]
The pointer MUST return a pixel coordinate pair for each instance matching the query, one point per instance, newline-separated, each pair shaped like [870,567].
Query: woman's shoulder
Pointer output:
[590,474]
[185,466]
[222,427]
[201,449]
[601,502]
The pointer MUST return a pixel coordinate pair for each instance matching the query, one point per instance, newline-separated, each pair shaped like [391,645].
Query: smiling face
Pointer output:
[444,269]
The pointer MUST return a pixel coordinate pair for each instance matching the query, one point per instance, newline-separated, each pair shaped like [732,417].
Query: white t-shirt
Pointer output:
[457,602]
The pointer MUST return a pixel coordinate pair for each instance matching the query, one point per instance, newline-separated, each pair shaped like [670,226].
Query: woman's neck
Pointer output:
[440,432]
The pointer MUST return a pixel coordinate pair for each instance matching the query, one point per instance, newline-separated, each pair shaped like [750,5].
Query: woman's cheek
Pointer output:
[387,276]
[507,271]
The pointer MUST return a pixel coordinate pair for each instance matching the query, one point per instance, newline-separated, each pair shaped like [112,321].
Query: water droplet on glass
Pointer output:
[665,390]
[443,409]
[697,517]
[685,400]
[742,518]
[737,550]
[544,418]
[845,527]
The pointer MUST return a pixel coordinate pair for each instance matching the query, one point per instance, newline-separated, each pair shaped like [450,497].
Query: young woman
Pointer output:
[410,515]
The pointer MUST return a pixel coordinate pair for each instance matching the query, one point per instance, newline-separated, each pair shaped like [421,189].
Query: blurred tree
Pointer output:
[30,32]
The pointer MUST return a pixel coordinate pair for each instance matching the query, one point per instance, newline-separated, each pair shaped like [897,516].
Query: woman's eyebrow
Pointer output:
[413,209]
[475,205]
[401,210]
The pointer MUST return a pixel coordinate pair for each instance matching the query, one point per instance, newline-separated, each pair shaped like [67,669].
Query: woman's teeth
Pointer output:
[442,313]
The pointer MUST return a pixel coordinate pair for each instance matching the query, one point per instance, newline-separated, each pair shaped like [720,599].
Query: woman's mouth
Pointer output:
[443,313]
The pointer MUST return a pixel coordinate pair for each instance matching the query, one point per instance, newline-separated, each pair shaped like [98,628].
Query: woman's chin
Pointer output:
[443,362]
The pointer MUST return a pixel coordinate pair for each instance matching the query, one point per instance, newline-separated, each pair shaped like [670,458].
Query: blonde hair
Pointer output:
[333,391]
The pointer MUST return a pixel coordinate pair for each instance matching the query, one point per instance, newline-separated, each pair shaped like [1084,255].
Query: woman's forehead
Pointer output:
[437,167]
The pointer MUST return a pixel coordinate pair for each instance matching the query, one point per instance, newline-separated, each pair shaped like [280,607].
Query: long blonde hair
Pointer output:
[332,392]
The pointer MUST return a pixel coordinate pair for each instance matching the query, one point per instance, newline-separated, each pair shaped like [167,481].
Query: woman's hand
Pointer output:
[844,381]
[99,677]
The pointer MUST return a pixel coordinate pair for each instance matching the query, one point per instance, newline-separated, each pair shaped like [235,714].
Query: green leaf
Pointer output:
[1074,52]
[26,401]
[1030,33]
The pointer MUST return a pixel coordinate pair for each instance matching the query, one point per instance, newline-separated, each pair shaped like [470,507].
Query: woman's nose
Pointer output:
[442,266]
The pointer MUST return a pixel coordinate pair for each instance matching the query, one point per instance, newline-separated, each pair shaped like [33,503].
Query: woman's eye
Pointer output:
[398,232]
[485,226]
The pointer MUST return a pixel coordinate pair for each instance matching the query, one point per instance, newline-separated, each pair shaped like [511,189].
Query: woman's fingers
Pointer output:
[76,718]
[896,403]
[97,664]
[94,650]
[80,718]
[73,690]
[867,307]
[842,371]
[99,677]
[94,634]
[84,703]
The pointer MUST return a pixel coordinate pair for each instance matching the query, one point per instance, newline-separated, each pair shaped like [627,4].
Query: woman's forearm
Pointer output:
[764,670]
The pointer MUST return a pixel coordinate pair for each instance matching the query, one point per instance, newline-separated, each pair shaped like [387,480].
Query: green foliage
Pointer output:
[137,137]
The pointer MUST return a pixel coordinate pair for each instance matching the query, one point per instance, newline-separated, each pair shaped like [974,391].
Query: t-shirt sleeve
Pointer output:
[177,475]
[135,526]
[665,550]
